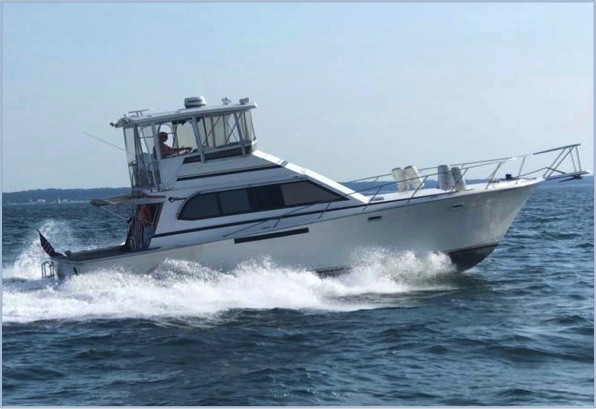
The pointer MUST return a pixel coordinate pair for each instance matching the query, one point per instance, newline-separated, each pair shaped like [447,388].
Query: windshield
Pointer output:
[176,138]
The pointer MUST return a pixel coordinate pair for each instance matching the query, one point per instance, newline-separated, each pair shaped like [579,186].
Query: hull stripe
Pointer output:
[232,172]
[271,235]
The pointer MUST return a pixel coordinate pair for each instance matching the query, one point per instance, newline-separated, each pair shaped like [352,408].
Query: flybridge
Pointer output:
[155,142]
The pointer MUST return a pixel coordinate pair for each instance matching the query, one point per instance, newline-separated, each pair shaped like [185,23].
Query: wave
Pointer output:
[186,289]
[27,264]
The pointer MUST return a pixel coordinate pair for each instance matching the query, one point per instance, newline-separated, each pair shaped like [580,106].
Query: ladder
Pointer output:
[48,270]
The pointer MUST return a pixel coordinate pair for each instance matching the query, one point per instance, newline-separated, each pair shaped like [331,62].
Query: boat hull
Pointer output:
[465,227]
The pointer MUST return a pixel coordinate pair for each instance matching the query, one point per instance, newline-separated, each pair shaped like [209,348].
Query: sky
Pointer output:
[346,89]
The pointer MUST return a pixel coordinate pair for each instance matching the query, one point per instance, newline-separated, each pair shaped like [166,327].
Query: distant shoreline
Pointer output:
[48,196]
[41,196]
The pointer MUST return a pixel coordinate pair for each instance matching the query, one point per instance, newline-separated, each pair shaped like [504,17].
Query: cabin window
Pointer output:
[234,201]
[266,197]
[147,138]
[218,131]
[245,119]
[131,145]
[304,193]
[180,140]
[255,199]
[184,136]
[200,207]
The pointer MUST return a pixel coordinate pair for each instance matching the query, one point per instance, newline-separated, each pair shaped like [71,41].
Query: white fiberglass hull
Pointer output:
[467,227]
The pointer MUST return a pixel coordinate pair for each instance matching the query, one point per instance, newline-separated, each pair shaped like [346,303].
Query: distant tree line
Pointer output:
[61,195]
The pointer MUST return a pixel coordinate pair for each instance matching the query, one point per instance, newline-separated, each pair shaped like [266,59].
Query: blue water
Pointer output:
[516,330]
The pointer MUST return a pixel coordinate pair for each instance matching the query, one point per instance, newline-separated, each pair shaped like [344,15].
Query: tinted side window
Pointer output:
[234,201]
[305,192]
[200,207]
[266,197]
[255,199]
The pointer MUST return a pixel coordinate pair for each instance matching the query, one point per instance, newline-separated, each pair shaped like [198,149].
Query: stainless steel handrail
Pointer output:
[486,161]
[464,166]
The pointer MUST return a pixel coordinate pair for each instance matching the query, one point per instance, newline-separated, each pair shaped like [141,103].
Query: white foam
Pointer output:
[183,289]
[27,264]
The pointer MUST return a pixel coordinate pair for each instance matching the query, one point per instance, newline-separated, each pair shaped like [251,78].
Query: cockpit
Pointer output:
[194,134]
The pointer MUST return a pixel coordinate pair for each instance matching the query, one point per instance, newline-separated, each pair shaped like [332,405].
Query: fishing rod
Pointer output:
[103,141]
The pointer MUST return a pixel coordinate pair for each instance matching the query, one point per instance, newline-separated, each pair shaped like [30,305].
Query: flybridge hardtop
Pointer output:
[145,116]
[202,191]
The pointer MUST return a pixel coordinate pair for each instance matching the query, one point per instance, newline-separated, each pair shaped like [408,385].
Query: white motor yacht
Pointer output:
[203,191]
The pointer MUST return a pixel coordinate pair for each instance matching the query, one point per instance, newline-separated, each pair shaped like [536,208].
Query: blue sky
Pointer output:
[348,90]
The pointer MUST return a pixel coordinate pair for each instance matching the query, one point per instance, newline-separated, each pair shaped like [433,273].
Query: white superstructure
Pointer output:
[202,191]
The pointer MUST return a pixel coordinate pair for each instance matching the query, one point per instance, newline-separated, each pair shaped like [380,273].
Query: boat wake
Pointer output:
[184,289]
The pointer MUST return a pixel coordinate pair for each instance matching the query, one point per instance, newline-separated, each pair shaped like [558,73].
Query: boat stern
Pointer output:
[59,267]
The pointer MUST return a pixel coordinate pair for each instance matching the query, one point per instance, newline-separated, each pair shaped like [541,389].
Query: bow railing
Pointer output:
[550,171]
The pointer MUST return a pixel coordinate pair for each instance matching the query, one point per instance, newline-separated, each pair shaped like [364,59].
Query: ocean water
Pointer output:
[517,329]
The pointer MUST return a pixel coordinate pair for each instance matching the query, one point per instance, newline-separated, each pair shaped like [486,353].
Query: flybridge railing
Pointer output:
[564,152]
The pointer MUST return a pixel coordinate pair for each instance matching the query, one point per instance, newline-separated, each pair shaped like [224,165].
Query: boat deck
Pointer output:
[98,253]
[426,192]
